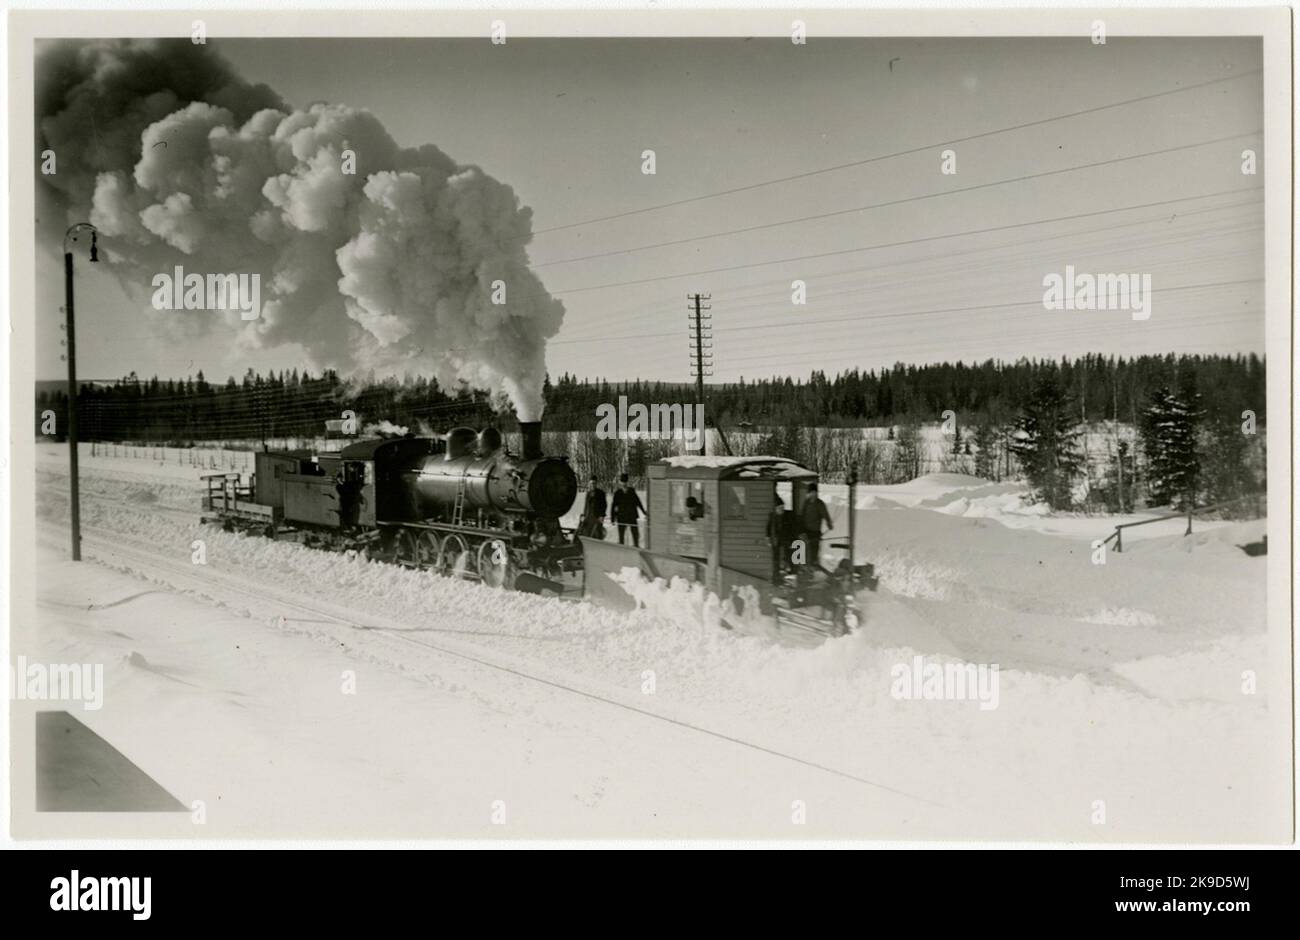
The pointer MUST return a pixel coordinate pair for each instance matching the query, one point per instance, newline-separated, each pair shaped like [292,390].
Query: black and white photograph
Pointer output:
[774,426]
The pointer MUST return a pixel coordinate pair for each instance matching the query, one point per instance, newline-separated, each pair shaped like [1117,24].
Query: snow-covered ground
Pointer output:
[1118,682]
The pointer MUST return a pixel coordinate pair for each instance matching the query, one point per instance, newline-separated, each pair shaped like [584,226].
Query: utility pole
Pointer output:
[260,400]
[701,355]
[74,489]
[1120,446]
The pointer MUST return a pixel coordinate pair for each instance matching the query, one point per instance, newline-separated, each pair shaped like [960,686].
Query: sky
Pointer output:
[940,274]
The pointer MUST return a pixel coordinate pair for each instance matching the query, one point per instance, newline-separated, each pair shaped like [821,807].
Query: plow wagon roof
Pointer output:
[696,467]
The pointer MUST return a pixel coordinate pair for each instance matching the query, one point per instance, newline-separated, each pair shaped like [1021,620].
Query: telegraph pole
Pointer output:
[260,399]
[74,489]
[701,355]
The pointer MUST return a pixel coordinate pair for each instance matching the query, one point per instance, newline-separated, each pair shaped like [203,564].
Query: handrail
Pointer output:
[1118,534]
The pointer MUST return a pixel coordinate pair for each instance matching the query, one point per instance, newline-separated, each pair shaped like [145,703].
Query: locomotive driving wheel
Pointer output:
[417,549]
[429,549]
[454,557]
[494,566]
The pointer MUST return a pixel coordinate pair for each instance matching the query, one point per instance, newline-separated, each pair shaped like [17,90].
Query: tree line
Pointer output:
[1171,427]
[293,403]
[1188,454]
[1100,387]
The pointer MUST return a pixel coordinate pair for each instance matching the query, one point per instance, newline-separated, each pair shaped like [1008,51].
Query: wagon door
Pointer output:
[746,507]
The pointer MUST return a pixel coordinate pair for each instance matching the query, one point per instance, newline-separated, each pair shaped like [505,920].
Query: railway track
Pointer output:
[233,591]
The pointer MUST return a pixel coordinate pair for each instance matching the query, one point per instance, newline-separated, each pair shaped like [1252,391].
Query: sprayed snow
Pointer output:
[907,576]
[679,601]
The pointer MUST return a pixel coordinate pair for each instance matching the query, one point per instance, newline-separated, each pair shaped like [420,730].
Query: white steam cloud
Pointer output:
[389,270]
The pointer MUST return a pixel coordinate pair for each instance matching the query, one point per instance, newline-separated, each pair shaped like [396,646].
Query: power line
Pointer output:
[897,153]
[862,318]
[771,305]
[762,288]
[898,244]
[1066,330]
[1179,324]
[871,318]
[817,359]
[1055,336]
[892,202]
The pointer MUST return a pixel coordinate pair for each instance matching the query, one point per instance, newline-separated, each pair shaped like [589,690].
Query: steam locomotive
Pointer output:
[458,503]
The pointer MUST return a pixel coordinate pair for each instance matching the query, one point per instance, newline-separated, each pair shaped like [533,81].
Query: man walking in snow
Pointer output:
[594,507]
[779,537]
[813,514]
[624,510]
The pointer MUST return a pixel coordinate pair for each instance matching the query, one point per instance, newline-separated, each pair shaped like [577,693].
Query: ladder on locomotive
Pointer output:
[458,508]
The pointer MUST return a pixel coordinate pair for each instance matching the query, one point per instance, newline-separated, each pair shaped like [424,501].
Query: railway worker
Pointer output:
[811,517]
[626,505]
[594,508]
[779,537]
[348,488]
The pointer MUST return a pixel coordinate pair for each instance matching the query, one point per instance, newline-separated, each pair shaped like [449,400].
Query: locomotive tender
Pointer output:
[459,503]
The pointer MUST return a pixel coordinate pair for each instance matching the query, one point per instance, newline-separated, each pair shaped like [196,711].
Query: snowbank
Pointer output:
[1116,679]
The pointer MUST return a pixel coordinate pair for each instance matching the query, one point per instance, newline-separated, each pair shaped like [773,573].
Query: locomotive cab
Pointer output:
[376,468]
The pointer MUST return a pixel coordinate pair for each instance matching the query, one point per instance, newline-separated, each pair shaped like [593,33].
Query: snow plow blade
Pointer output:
[533,584]
[601,559]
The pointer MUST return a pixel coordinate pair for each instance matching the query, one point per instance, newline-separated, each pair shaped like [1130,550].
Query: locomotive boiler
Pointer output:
[474,473]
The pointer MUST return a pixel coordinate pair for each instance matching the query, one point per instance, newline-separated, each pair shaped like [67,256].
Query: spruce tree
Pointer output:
[1169,427]
[792,443]
[986,455]
[637,457]
[1046,442]
[1227,472]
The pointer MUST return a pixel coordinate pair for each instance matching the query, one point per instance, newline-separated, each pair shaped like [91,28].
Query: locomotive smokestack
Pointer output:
[532,435]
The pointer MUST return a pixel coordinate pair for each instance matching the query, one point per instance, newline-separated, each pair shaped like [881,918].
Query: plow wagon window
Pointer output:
[679,493]
[785,492]
[733,501]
